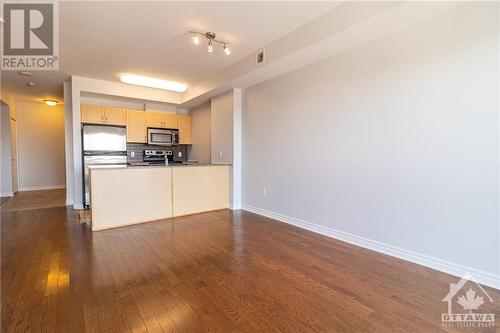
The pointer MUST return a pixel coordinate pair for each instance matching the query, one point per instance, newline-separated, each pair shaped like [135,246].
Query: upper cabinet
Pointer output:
[138,121]
[93,114]
[154,119]
[115,116]
[161,119]
[136,126]
[185,129]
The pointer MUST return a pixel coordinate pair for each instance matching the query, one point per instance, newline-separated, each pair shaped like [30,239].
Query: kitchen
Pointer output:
[137,168]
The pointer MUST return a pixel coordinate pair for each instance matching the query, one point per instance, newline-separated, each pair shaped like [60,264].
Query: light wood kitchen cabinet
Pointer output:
[114,116]
[136,126]
[93,114]
[170,120]
[161,119]
[154,119]
[185,129]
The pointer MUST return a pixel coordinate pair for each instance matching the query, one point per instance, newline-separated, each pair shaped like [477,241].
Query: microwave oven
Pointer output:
[163,137]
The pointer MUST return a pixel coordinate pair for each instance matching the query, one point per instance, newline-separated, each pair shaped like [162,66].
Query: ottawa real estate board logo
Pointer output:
[464,301]
[30,35]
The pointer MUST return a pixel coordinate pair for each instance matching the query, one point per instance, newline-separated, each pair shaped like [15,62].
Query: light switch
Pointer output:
[179,154]
[220,153]
[132,154]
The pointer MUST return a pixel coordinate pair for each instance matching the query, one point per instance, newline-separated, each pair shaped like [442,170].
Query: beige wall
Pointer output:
[222,109]
[41,146]
[201,148]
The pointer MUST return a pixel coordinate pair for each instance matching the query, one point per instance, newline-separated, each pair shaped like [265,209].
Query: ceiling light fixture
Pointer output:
[50,102]
[153,83]
[196,39]
[211,39]
[25,73]
[30,84]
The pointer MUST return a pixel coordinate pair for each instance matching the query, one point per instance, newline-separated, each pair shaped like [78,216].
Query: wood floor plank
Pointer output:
[221,271]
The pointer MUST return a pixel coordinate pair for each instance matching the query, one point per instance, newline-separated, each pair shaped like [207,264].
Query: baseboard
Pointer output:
[458,270]
[6,194]
[77,206]
[40,188]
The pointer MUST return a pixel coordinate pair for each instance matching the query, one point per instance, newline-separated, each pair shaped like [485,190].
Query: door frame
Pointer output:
[13,141]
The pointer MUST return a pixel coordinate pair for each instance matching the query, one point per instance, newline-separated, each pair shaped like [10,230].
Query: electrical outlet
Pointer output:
[264,191]
[220,153]
[179,154]
[132,154]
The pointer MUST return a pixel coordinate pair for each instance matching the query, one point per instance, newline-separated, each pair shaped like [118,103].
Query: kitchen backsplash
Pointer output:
[138,149]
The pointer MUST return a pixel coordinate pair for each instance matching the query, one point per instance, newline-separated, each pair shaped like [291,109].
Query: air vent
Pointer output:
[260,57]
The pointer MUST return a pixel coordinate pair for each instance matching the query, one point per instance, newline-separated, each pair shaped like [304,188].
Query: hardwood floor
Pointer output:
[27,200]
[4,200]
[218,271]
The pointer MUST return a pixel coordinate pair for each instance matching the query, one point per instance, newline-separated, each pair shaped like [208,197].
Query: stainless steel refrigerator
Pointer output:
[102,145]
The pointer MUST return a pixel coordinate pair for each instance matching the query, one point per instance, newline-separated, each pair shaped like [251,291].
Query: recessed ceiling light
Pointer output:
[50,102]
[30,84]
[153,83]
[25,73]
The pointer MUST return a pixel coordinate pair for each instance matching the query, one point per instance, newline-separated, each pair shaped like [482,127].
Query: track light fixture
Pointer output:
[195,35]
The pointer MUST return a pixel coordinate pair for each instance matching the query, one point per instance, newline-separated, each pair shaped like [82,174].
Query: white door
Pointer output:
[13,142]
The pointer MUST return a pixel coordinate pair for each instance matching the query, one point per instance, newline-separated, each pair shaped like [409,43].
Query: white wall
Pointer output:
[222,108]
[5,152]
[393,144]
[41,146]
[202,143]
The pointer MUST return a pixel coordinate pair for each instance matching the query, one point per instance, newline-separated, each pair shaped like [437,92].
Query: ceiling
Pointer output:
[103,39]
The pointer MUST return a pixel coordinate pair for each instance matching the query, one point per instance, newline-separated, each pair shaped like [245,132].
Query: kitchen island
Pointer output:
[127,195]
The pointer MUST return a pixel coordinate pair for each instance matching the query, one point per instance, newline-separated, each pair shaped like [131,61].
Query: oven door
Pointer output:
[160,137]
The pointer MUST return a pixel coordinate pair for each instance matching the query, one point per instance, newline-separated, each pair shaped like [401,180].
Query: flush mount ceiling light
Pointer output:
[50,102]
[153,83]
[195,35]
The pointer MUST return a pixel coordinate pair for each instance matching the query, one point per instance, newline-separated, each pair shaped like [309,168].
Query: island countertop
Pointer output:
[122,166]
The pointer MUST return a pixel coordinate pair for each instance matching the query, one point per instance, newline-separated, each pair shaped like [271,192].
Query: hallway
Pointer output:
[28,200]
